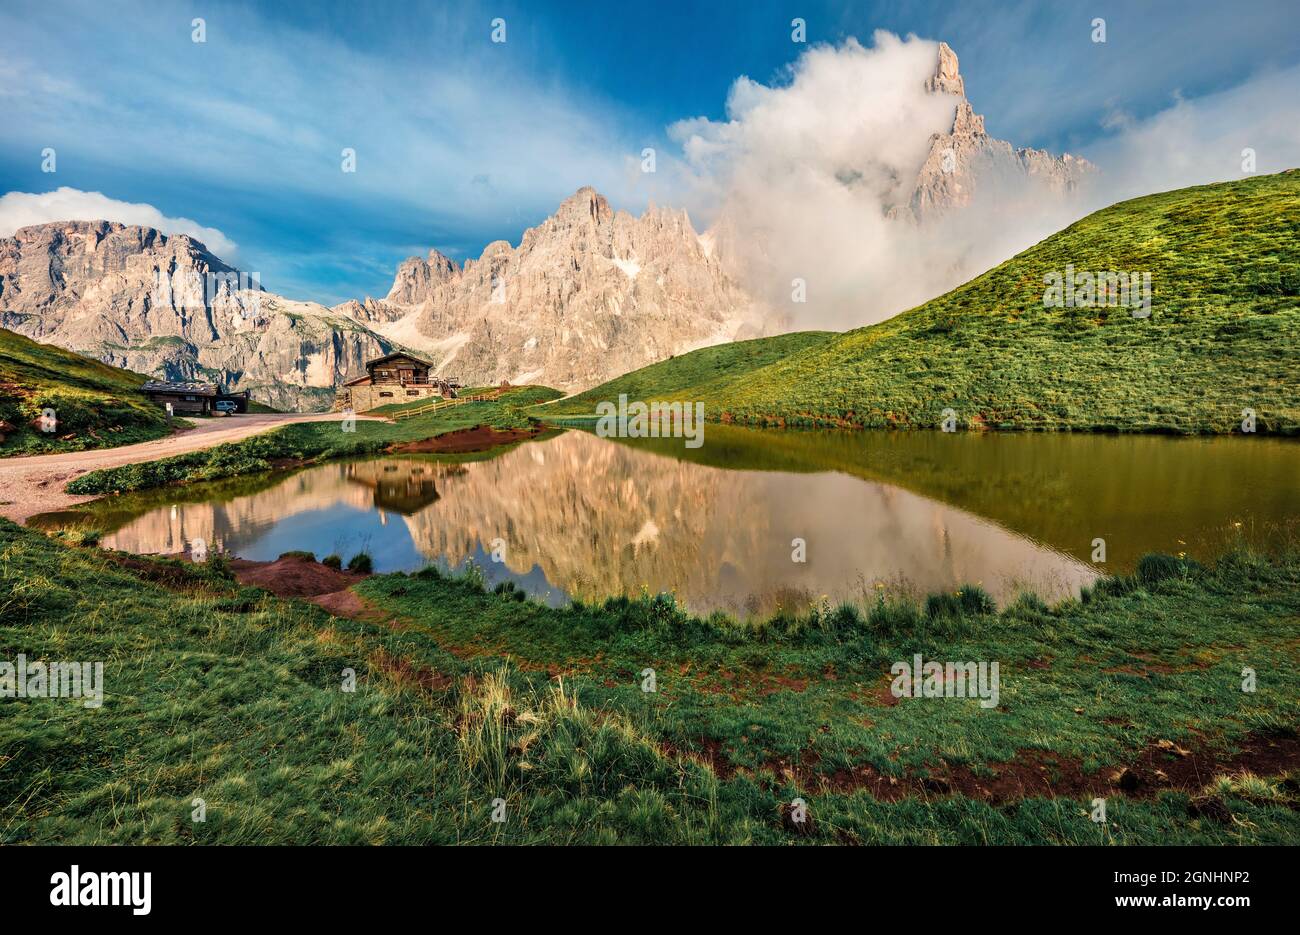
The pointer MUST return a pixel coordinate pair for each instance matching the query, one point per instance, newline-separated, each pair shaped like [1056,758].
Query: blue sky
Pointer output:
[461,141]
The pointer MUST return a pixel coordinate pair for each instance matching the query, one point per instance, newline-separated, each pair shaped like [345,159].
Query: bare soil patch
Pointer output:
[349,604]
[1045,774]
[294,576]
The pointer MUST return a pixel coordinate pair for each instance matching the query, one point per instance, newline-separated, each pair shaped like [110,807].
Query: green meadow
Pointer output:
[466,699]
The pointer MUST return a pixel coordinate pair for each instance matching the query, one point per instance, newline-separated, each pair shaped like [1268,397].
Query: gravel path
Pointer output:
[35,484]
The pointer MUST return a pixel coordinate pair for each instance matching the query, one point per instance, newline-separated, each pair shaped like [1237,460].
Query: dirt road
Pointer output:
[35,484]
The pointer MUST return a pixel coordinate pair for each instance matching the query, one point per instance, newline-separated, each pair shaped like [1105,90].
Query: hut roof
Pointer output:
[380,360]
[189,389]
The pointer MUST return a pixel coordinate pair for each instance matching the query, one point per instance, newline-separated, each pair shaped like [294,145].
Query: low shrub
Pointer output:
[218,567]
[11,409]
[1113,586]
[361,563]
[74,411]
[473,576]
[894,618]
[970,600]
[1028,606]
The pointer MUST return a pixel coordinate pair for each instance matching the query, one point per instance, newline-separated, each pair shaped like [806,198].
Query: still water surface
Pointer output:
[579,516]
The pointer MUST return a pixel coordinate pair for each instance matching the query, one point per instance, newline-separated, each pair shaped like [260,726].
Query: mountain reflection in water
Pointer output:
[579,516]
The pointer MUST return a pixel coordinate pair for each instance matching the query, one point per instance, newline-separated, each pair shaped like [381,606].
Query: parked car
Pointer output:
[228,406]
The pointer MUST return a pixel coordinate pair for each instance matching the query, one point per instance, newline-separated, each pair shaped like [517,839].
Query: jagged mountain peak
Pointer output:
[586,207]
[416,276]
[87,236]
[966,159]
[947,77]
[588,293]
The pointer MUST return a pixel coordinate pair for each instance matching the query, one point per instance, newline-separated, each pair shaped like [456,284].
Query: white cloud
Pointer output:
[801,177]
[431,112]
[1198,141]
[21,209]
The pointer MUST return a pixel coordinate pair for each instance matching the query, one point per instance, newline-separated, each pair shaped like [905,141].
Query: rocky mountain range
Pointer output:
[588,294]
[163,305]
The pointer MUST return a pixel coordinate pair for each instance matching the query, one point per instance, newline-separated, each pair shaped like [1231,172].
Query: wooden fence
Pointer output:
[444,404]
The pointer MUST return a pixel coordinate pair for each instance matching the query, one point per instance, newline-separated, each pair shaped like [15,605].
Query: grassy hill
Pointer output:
[1223,335]
[691,373]
[97,406]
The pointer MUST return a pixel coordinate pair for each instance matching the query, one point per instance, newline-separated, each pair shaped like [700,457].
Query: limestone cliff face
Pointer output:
[966,159]
[165,306]
[588,294]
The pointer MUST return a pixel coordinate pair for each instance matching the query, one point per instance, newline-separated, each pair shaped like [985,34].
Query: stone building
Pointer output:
[394,378]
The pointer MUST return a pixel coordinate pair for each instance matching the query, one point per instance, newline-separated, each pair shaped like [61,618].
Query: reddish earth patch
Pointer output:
[782,683]
[477,438]
[884,694]
[1148,669]
[293,576]
[881,694]
[288,576]
[352,605]
[1162,766]
[1041,774]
